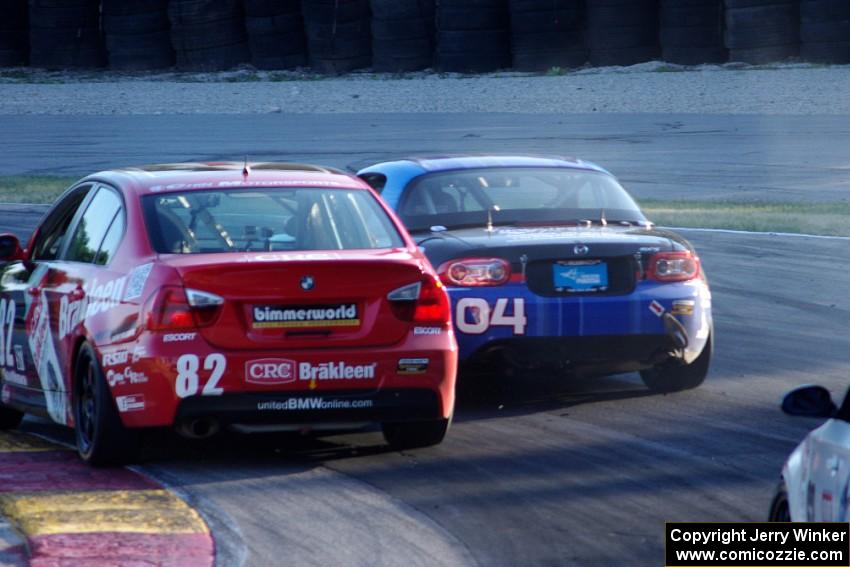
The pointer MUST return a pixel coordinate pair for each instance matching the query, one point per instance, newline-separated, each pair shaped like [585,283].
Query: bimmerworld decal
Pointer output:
[294,316]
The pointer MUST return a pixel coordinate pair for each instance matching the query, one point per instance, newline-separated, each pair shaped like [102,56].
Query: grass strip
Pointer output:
[826,219]
[33,188]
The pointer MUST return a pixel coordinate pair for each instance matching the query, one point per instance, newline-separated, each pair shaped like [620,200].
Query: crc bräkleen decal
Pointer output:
[656,308]
[125,377]
[97,298]
[46,362]
[290,316]
[135,402]
[138,279]
[178,337]
[473,315]
[270,371]
[413,365]
[116,358]
[335,371]
[427,331]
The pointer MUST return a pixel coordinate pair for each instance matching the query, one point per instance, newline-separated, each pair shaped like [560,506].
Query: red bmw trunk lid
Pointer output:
[282,301]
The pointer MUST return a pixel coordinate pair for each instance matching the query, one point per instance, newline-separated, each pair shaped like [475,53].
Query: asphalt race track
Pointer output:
[545,470]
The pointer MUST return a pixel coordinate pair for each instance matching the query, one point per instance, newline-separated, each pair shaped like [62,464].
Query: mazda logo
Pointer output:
[307,283]
[581,250]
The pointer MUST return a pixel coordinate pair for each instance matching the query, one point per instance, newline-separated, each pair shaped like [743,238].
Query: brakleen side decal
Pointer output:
[96,299]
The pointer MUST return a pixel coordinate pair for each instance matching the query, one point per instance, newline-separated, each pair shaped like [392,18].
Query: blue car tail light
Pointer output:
[673,267]
[475,272]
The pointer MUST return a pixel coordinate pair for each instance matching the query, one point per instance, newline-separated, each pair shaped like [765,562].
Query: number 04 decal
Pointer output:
[188,381]
[473,315]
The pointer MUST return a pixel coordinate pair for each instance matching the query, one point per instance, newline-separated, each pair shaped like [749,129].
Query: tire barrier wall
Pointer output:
[276,34]
[403,35]
[547,34]
[136,34]
[208,35]
[761,31]
[473,36]
[691,31]
[825,31]
[65,34]
[337,36]
[14,33]
[622,32]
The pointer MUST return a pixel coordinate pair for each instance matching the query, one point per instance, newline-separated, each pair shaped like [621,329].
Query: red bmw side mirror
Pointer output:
[10,248]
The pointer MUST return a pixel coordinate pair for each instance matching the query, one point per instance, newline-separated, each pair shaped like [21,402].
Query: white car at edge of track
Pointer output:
[815,484]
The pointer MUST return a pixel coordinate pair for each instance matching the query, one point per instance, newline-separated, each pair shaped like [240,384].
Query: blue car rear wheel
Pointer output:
[670,377]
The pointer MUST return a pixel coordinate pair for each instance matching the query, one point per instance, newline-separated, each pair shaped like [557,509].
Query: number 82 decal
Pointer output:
[473,315]
[188,381]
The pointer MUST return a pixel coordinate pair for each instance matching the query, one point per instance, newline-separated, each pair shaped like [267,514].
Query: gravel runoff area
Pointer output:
[653,87]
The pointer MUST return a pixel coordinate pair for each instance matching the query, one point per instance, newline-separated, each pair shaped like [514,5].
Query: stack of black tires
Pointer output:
[622,32]
[547,34]
[136,34]
[473,35]
[402,35]
[276,33]
[825,31]
[65,34]
[339,37]
[762,31]
[14,33]
[208,35]
[691,31]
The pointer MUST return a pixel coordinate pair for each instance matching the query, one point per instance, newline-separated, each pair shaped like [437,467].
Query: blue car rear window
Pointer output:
[522,195]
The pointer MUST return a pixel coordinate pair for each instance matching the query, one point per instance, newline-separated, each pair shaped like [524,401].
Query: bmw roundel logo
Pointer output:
[581,250]
[307,283]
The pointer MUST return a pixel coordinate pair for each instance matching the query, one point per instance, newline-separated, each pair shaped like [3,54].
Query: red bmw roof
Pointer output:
[212,175]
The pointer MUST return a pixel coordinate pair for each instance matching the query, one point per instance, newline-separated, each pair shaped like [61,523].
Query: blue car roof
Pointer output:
[452,162]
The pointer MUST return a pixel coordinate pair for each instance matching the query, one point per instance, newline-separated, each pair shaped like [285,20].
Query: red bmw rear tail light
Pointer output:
[673,267]
[173,308]
[424,302]
[475,272]
[433,305]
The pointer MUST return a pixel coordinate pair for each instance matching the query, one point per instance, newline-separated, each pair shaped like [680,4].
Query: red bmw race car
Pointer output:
[203,296]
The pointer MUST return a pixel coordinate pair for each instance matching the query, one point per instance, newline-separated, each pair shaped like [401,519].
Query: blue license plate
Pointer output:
[580,276]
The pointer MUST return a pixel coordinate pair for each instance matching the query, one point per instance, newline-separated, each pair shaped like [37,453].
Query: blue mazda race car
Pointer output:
[550,263]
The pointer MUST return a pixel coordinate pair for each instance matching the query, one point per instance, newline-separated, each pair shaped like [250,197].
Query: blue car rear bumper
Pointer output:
[592,328]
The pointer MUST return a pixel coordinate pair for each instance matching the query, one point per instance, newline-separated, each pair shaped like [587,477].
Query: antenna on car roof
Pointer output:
[245,169]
